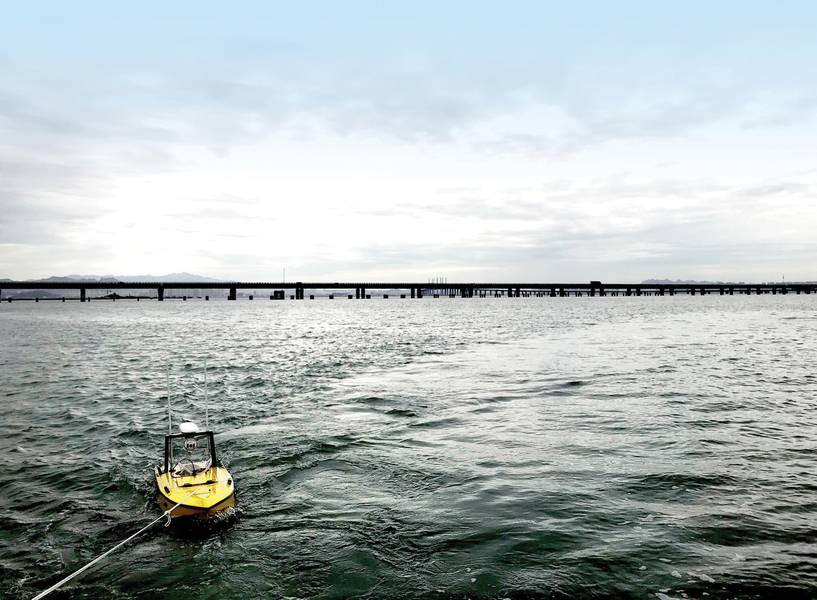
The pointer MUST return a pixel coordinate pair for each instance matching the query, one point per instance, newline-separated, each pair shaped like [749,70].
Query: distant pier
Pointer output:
[86,291]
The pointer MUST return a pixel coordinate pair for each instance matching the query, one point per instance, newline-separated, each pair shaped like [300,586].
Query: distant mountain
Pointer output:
[34,292]
[178,277]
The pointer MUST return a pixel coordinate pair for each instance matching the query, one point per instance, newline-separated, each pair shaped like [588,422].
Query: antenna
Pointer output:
[169,420]
[206,406]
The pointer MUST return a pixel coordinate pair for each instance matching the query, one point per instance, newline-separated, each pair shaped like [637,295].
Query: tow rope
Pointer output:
[165,514]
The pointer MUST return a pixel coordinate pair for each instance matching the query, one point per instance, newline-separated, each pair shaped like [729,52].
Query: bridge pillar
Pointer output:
[363,293]
[160,294]
[637,291]
[232,294]
[82,294]
[412,292]
[419,292]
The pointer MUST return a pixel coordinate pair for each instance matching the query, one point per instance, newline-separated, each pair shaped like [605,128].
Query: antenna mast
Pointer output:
[169,420]
[206,405]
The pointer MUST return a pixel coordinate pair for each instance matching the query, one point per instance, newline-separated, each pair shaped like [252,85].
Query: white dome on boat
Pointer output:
[188,427]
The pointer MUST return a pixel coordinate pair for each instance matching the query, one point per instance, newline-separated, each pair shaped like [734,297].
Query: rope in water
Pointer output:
[59,584]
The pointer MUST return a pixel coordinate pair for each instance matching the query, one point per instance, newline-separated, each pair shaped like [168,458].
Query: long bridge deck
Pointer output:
[363,290]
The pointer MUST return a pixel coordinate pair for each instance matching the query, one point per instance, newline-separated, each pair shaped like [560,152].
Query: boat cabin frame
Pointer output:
[208,435]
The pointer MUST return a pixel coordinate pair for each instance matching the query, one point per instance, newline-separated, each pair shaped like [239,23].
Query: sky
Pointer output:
[478,141]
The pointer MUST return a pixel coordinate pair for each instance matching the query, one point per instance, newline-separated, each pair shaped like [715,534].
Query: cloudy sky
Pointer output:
[381,140]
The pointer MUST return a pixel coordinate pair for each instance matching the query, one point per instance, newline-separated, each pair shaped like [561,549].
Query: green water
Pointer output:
[450,448]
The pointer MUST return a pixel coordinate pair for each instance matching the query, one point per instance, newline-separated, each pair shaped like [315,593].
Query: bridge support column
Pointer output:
[82,294]
[412,292]
[232,294]
[363,293]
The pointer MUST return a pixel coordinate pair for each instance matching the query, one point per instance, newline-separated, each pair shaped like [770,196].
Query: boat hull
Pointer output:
[194,511]
[201,495]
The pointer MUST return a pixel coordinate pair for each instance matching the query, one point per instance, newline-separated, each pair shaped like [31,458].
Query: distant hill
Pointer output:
[179,277]
[34,292]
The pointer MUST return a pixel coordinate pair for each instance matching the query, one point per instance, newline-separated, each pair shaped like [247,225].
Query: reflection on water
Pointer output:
[484,448]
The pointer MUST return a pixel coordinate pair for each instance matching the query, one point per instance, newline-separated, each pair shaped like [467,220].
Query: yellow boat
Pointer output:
[192,475]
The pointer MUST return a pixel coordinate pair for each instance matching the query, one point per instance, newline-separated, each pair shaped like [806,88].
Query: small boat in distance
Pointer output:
[191,475]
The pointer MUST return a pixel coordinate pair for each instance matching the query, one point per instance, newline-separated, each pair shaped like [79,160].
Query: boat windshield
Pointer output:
[190,455]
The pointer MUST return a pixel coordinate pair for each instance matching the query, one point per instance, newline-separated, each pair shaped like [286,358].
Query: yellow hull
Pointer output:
[212,491]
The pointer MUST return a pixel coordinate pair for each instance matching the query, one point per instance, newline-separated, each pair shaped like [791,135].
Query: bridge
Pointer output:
[81,290]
